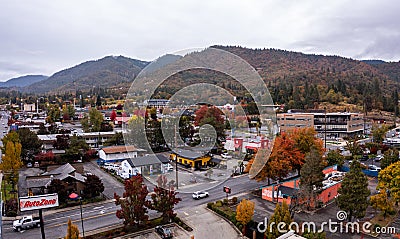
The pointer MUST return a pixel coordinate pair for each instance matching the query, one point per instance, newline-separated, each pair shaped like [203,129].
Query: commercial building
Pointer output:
[71,177]
[95,140]
[191,158]
[147,165]
[119,153]
[335,125]
[157,103]
[288,190]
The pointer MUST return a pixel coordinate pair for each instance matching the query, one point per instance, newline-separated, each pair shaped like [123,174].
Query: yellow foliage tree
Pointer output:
[382,202]
[72,231]
[389,179]
[244,212]
[11,161]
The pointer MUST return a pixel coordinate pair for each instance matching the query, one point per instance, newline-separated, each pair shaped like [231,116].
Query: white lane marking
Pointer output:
[77,214]
[97,207]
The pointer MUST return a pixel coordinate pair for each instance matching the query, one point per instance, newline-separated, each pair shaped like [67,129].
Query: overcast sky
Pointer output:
[46,36]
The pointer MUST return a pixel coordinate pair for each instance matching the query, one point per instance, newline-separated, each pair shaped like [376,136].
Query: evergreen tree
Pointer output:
[98,101]
[311,178]
[93,186]
[281,214]
[391,156]
[354,192]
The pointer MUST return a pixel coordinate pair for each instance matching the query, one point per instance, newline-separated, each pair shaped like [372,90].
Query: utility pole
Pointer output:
[325,127]
[176,160]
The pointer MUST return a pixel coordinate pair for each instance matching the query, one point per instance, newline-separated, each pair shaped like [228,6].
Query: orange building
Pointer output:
[287,190]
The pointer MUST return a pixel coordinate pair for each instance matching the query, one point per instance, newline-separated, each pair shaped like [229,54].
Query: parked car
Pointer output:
[378,158]
[372,167]
[168,167]
[25,223]
[226,156]
[364,157]
[111,166]
[200,194]
[366,151]
[29,165]
[164,232]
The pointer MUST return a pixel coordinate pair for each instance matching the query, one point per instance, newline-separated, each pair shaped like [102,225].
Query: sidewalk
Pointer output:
[206,224]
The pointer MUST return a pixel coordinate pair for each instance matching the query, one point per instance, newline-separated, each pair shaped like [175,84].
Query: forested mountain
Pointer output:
[107,72]
[23,81]
[295,79]
[301,80]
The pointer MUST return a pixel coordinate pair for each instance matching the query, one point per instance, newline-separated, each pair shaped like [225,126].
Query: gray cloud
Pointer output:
[50,35]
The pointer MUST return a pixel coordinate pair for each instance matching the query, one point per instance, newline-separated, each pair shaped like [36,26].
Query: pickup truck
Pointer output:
[25,223]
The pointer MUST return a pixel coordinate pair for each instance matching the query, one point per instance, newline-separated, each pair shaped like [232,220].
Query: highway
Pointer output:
[103,215]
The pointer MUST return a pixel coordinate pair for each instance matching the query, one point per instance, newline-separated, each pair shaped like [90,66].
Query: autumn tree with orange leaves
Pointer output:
[280,161]
[289,153]
[305,139]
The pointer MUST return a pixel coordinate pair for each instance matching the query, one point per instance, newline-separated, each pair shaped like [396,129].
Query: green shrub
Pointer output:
[157,221]
[11,214]
[218,203]
[376,226]
[225,202]
[210,205]
[233,218]
[234,200]
[392,212]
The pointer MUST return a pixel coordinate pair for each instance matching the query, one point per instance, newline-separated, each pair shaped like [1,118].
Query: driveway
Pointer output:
[111,184]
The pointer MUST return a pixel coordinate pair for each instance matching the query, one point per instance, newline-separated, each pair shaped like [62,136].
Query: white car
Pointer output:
[372,167]
[200,194]
[226,156]
[378,158]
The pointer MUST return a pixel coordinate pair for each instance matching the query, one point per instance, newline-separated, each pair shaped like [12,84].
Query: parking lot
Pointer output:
[111,184]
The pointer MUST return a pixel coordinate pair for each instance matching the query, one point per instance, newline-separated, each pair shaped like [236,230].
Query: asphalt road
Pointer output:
[103,215]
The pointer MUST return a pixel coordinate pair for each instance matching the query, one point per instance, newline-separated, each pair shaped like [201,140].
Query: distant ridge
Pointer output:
[23,81]
[107,72]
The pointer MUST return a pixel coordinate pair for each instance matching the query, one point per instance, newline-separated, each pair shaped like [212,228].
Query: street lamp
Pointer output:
[74,196]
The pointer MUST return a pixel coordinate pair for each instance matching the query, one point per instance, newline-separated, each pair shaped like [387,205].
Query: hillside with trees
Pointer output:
[294,79]
[108,72]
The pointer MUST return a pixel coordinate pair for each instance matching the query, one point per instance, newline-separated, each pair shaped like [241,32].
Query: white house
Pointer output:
[119,153]
[150,165]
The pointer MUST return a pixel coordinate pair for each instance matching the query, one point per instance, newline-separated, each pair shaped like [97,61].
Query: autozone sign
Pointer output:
[38,202]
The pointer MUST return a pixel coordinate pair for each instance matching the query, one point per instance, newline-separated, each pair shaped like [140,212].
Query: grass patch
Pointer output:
[380,221]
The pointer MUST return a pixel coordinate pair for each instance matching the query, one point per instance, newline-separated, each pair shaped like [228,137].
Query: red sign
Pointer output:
[38,202]
[227,189]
